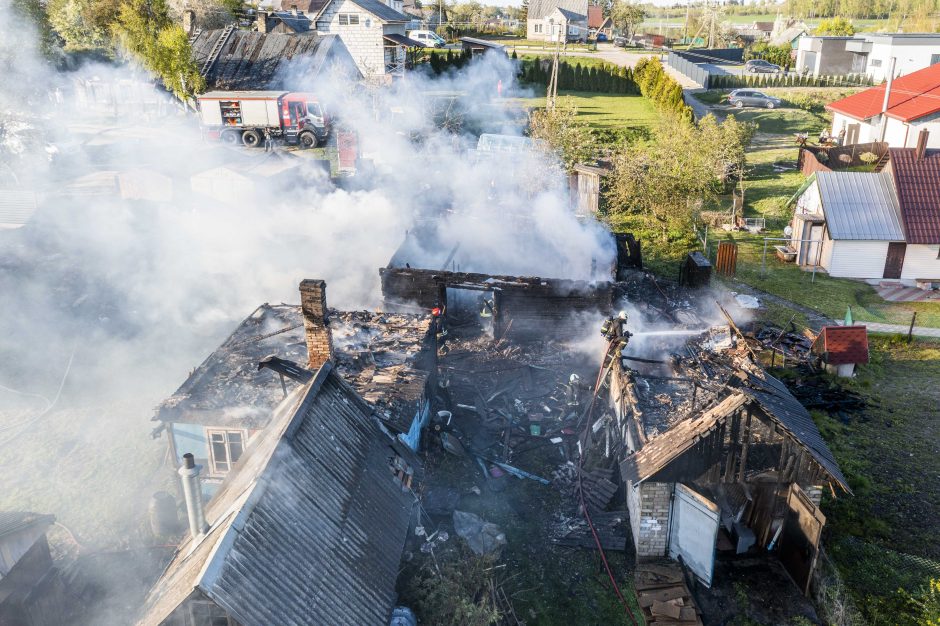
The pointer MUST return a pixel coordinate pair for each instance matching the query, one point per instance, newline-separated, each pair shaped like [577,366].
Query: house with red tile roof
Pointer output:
[841,348]
[877,226]
[913,105]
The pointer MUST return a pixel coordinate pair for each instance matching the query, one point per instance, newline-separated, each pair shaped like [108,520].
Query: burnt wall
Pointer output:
[533,305]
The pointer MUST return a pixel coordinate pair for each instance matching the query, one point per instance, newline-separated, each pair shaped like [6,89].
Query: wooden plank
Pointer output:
[647,598]
[666,609]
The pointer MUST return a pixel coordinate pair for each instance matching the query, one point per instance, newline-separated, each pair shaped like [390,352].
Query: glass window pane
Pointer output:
[353,19]
[219,452]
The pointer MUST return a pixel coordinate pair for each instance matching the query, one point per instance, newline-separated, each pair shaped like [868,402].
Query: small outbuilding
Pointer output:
[841,348]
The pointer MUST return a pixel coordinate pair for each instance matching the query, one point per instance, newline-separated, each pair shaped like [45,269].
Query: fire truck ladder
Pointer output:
[216,50]
[195,36]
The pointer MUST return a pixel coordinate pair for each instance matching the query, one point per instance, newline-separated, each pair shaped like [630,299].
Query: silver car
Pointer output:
[740,98]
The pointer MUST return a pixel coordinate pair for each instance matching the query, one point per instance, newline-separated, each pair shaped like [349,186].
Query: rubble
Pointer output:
[482,536]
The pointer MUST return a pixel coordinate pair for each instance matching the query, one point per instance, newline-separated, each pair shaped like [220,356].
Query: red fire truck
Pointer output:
[245,116]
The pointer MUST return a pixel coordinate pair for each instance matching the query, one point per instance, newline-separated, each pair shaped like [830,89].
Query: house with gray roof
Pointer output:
[879,226]
[557,20]
[373,31]
[236,60]
[308,529]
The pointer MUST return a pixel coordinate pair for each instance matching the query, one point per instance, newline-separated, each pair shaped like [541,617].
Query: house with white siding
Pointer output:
[873,225]
[373,32]
[557,20]
[912,106]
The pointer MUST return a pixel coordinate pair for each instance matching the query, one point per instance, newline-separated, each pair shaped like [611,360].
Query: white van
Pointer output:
[428,38]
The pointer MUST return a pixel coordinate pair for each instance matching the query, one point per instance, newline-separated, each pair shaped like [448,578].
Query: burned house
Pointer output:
[308,529]
[227,400]
[30,591]
[520,307]
[719,456]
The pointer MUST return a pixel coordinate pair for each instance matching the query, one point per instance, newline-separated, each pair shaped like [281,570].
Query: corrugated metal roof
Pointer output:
[13,521]
[917,182]
[781,406]
[860,206]
[309,528]
[539,9]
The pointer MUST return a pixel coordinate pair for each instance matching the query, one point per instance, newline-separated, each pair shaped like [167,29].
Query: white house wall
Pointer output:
[920,261]
[858,259]
[363,40]
[908,58]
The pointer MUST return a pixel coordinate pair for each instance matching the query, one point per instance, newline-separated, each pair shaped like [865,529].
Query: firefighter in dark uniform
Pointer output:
[615,332]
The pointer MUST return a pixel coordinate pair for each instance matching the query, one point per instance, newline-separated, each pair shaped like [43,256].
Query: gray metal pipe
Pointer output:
[192,494]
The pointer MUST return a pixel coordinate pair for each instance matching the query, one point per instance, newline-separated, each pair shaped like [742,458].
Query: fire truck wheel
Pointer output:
[229,137]
[251,138]
[307,139]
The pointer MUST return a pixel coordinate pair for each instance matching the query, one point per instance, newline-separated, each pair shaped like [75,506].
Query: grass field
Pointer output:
[624,114]
[653,22]
[883,537]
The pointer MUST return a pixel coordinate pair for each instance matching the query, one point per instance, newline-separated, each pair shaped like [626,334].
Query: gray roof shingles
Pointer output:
[13,521]
[309,528]
[539,9]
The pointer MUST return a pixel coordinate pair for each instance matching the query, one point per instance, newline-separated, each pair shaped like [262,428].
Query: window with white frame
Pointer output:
[538,28]
[348,19]
[225,448]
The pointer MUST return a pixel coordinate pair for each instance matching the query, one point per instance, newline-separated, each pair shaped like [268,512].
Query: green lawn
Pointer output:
[883,537]
[627,115]
[653,22]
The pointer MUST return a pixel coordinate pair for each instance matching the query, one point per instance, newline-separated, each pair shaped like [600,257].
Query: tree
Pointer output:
[73,21]
[836,26]
[562,134]
[669,181]
[144,29]
[627,16]
[524,14]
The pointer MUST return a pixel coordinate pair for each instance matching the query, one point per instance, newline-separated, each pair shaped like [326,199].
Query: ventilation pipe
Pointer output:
[921,150]
[192,494]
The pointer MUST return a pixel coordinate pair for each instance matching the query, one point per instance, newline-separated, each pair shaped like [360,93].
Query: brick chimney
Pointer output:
[316,323]
[189,21]
[262,22]
[921,149]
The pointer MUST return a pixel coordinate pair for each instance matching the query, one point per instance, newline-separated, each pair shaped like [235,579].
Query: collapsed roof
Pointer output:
[380,354]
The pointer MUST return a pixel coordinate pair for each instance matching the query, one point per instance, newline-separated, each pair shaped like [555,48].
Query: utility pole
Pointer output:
[552,94]
[884,105]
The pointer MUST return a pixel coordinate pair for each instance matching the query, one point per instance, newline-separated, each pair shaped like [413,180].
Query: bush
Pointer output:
[604,78]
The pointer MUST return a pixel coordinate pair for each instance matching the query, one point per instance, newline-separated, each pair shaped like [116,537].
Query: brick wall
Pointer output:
[316,328]
[649,517]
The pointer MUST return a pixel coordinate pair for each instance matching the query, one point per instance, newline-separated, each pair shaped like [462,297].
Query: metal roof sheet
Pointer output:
[917,183]
[781,406]
[13,521]
[16,207]
[309,528]
[539,9]
[860,205]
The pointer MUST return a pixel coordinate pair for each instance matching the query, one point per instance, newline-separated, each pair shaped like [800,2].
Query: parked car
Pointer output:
[740,98]
[760,66]
[428,38]
[601,37]
[620,41]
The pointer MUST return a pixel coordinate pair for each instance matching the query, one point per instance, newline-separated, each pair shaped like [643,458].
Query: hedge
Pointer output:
[661,88]
[728,81]
[604,78]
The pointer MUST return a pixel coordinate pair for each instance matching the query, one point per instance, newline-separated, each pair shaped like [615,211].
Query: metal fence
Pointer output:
[696,72]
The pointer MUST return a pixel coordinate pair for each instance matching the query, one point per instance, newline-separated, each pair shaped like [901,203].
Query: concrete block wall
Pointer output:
[651,520]
[316,325]
[814,492]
